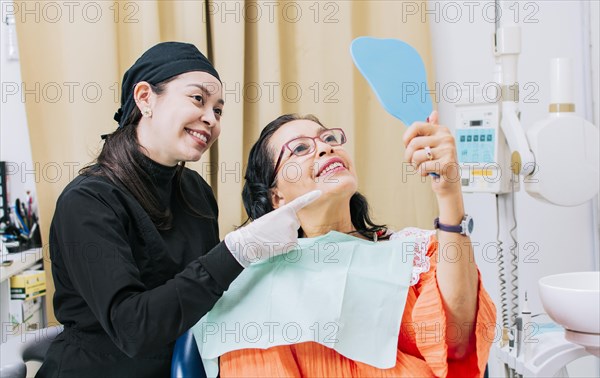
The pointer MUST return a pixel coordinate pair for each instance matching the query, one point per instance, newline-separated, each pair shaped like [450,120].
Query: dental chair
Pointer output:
[186,362]
[30,346]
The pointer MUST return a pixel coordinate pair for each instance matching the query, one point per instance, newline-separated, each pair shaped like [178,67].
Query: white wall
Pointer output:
[564,237]
[594,12]
[15,147]
[14,134]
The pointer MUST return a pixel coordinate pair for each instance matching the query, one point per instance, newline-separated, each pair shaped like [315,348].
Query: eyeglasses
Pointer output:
[304,145]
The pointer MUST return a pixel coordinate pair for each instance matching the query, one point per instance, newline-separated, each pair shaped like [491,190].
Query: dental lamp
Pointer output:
[558,156]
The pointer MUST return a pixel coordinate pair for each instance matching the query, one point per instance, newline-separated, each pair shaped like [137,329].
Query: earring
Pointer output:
[147,112]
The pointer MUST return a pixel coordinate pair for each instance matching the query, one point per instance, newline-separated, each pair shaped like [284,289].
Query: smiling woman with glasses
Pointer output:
[439,333]
[303,145]
[286,165]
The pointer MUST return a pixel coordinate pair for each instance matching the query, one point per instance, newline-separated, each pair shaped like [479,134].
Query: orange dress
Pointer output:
[422,348]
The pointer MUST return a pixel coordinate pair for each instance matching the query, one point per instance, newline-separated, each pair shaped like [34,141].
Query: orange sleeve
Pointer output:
[429,322]
[273,362]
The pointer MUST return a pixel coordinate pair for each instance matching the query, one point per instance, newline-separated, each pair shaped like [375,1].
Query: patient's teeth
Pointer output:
[332,166]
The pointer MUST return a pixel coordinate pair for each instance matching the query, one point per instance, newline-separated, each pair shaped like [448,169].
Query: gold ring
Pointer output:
[428,153]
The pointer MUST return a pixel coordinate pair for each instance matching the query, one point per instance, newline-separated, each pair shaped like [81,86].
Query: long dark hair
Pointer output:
[121,162]
[258,187]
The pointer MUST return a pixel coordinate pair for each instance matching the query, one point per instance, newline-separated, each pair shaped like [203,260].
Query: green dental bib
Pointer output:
[337,290]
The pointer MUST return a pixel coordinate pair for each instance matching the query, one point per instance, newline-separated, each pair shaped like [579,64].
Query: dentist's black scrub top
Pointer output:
[124,290]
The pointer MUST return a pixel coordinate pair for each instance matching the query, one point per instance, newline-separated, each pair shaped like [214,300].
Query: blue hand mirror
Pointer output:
[396,73]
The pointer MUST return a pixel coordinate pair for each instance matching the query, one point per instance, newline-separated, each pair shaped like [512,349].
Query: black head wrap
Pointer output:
[158,64]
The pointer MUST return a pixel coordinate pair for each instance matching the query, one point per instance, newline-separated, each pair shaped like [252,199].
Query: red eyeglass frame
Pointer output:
[286,145]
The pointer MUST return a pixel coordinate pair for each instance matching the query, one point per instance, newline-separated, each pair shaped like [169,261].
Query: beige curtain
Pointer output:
[274,57]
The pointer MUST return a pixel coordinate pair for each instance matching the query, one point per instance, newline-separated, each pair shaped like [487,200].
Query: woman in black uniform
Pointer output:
[134,241]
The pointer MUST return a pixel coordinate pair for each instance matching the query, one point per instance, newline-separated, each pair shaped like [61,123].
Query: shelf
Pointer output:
[21,261]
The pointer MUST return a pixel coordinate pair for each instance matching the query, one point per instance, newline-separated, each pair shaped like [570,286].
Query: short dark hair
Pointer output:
[258,186]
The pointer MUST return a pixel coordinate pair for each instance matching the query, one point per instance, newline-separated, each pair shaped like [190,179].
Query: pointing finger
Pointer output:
[304,200]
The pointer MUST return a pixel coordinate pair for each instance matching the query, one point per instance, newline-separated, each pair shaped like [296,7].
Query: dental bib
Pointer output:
[343,292]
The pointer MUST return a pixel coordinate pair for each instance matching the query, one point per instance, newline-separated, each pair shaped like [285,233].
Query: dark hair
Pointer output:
[121,162]
[258,187]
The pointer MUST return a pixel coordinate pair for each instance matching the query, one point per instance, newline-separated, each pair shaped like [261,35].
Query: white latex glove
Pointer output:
[270,235]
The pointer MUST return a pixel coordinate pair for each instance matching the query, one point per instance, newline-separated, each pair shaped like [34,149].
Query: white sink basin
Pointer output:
[573,300]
